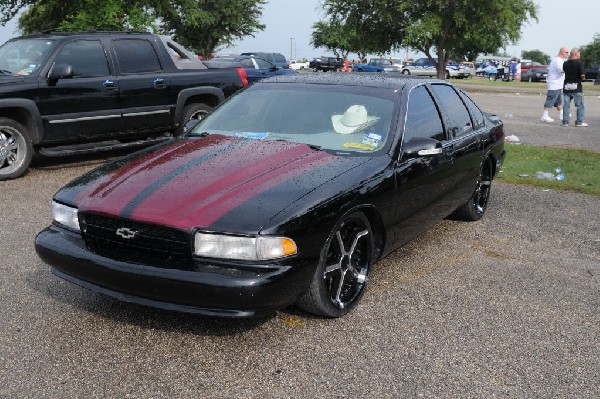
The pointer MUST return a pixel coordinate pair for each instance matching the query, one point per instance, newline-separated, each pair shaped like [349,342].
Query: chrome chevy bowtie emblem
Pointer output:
[126,233]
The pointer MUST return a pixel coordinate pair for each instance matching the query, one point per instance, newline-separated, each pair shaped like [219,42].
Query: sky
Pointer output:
[289,27]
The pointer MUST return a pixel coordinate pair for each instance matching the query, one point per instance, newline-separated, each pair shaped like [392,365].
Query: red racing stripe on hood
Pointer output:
[216,195]
[120,186]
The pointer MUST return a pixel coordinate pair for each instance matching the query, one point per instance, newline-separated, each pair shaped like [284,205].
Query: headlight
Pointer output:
[243,248]
[65,215]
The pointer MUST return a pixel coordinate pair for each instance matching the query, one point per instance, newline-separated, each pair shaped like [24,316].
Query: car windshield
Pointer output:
[24,56]
[345,120]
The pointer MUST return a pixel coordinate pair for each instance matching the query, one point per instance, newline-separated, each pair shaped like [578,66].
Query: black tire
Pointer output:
[342,275]
[475,207]
[193,111]
[405,72]
[16,149]
[493,77]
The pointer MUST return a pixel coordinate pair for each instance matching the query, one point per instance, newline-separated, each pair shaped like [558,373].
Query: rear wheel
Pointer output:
[16,149]
[476,206]
[344,265]
[193,111]
[406,72]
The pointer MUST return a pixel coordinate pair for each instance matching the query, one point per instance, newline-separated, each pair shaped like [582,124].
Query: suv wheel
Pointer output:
[16,149]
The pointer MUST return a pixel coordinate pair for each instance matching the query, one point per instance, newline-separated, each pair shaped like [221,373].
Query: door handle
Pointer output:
[159,83]
[109,85]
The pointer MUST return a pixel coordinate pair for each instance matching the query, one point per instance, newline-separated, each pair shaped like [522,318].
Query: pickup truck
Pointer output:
[74,93]
[326,64]
[377,65]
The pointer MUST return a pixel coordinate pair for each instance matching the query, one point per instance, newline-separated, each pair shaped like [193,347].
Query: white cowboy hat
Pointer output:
[354,119]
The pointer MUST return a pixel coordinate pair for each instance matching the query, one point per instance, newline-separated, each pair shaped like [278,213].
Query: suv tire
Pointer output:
[16,149]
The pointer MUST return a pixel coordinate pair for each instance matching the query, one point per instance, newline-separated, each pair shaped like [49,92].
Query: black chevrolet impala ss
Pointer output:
[288,193]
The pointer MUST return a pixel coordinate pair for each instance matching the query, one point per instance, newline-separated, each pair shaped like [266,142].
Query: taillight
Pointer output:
[243,75]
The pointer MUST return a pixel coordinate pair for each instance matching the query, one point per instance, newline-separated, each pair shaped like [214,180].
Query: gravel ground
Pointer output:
[507,307]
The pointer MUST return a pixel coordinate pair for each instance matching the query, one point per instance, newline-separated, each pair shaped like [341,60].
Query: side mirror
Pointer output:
[60,71]
[421,147]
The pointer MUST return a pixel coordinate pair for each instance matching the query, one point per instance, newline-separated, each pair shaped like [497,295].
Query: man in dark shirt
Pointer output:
[573,89]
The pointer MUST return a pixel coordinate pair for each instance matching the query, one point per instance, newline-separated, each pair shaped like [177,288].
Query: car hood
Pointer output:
[216,182]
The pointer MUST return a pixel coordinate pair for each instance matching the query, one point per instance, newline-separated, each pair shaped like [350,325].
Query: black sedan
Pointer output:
[287,193]
[534,75]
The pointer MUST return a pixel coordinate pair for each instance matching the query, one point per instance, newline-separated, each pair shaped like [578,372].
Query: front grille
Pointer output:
[134,234]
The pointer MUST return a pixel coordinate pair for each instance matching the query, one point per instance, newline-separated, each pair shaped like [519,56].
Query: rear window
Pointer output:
[278,58]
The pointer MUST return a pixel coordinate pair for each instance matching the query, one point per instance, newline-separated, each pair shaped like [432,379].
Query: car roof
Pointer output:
[354,79]
[89,33]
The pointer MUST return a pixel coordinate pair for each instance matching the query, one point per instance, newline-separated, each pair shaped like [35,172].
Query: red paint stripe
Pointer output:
[211,209]
[111,195]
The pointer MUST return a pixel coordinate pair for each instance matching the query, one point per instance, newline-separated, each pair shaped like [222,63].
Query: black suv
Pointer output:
[79,92]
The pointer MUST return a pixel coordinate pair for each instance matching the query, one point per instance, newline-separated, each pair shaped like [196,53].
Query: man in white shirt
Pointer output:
[555,81]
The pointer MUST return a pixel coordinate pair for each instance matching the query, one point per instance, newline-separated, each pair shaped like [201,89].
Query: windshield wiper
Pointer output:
[6,72]
[315,147]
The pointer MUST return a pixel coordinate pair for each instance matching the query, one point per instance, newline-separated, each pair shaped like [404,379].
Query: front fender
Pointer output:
[31,117]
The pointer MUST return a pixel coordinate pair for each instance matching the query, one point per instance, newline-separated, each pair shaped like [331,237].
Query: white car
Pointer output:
[297,65]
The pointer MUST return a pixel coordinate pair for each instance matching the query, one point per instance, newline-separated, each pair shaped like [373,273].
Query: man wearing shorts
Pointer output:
[554,82]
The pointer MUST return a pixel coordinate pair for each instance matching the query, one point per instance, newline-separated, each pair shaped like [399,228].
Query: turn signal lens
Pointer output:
[243,248]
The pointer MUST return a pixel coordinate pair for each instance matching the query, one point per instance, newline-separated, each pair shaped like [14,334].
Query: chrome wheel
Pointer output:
[15,149]
[343,272]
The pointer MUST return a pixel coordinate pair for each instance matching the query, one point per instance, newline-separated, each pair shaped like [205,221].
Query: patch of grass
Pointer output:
[581,168]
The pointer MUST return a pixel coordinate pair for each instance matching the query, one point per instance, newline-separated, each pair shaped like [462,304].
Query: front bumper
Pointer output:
[181,284]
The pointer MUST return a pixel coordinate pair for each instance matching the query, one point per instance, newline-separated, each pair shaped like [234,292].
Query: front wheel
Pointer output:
[16,149]
[493,77]
[405,72]
[193,111]
[342,274]
[477,204]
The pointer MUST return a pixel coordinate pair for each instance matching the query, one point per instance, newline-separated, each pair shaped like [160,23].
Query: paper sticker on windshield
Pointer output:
[251,135]
[372,139]
[359,146]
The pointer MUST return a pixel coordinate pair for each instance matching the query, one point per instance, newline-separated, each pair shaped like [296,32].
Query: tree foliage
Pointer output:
[590,53]
[444,28]
[536,55]
[203,25]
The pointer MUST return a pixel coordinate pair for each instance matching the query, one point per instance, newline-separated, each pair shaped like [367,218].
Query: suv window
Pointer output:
[87,58]
[459,120]
[136,56]
[262,64]
[423,118]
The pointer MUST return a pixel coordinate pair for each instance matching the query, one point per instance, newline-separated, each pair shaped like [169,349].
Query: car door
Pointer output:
[465,134]
[424,182]
[147,101]
[85,104]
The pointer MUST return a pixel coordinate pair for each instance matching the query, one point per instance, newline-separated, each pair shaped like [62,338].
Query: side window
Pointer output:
[262,64]
[87,58]
[459,120]
[247,63]
[136,56]
[475,111]
[422,118]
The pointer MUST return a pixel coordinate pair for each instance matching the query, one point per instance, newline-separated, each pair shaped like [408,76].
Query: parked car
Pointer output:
[276,59]
[288,193]
[534,75]
[325,64]
[256,68]
[591,73]
[299,65]
[76,93]
[377,65]
[424,67]
[525,65]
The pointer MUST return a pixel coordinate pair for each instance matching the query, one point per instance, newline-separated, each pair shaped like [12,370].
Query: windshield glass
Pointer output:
[352,120]
[24,57]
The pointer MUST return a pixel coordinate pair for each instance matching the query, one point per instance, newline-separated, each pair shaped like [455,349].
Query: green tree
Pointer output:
[590,53]
[536,55]
[438,28]
[205,25]
[202,25]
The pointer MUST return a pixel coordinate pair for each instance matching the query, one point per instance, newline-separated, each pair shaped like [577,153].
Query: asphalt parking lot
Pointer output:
[507,307]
